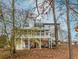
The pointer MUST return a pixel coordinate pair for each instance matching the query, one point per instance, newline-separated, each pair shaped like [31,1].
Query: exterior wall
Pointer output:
[35,35]
[20,45]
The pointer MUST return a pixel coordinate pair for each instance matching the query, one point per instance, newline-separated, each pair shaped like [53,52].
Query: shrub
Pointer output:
[3,41]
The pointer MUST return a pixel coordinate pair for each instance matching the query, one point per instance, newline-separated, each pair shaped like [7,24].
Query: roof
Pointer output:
[42,24]
[51,23]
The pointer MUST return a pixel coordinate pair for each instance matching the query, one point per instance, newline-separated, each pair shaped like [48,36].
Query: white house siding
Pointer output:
[20,45]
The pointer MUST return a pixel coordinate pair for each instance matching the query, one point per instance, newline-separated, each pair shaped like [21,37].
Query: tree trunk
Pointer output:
[69,30]
[55,21]
[13,14]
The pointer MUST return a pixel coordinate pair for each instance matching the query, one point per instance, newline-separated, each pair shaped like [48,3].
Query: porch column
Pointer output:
[28,43]
[40,40]
[28,40]
[21,42]
[51,42]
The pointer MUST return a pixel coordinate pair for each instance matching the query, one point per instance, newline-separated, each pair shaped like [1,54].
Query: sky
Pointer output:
[29,4]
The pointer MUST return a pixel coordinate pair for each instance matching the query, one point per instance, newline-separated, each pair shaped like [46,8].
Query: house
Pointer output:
[35,35]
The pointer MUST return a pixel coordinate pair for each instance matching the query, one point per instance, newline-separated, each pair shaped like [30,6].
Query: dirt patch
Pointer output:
[4,54]
[46,53]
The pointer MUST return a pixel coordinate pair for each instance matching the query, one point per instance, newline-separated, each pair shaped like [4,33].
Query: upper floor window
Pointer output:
[42,33]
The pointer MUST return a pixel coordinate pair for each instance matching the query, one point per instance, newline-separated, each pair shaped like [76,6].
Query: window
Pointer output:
[42,33]
[46,33]
[26,25]
[38,33]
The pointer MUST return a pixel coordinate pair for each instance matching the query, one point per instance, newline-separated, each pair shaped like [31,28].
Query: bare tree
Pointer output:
[2,18]
[13,17]
[55,21]
[69,30]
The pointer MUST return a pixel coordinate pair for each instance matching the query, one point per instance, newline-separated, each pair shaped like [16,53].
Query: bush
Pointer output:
[3,41]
